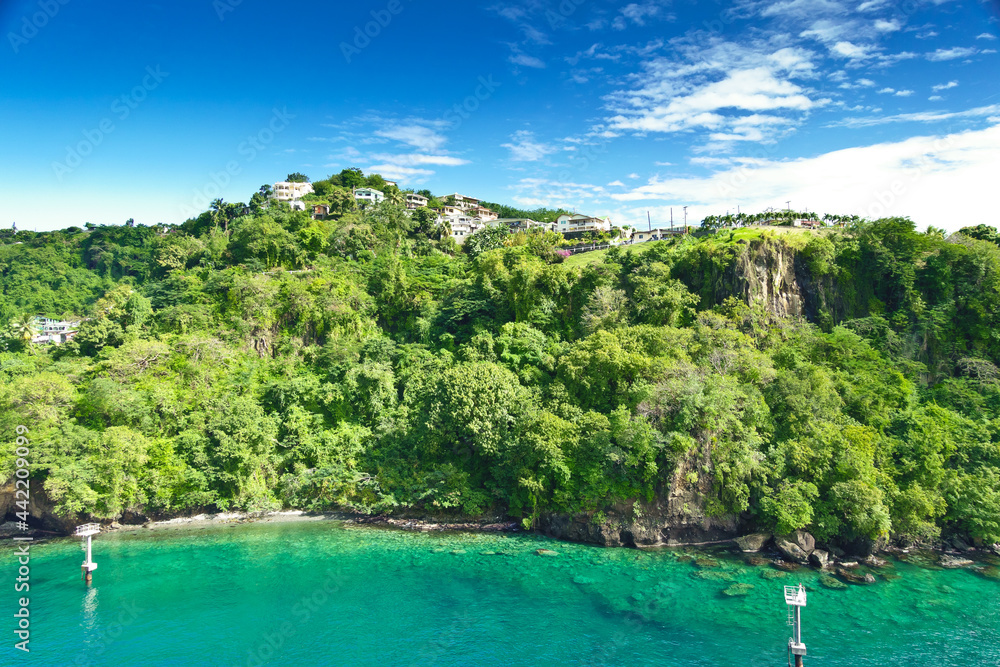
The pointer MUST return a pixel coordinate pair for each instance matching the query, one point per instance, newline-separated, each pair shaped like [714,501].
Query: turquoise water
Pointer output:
[332,594]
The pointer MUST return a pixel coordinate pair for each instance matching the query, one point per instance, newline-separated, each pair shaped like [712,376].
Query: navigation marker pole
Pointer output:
[87,531]
[795,598]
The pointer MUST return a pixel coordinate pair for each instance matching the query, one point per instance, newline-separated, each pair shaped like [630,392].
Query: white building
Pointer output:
[54,331]
[463,202]
[291,191]
[298,205]
[369,195]
[568,224]
[415,201]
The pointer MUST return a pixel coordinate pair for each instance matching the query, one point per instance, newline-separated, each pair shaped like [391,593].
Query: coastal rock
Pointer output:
[819,558]
[547,552]
[753,543]
[796,546]
[855,577]
[872,561]
[953,562]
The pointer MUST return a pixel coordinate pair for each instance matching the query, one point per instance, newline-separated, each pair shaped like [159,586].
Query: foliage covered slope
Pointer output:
[358,363]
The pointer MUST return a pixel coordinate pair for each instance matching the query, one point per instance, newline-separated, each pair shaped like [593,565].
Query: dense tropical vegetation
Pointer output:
[366,362]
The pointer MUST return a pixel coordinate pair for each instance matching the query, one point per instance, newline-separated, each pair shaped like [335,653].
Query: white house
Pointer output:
[463,202]
[291,191]
[369,195]
[298,205]
[54,331]
[415,201]
[567,224]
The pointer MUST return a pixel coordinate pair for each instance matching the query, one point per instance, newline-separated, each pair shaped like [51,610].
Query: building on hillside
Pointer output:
[297,205]
[291,191]
[463,202]
[486,214]
[391,184]
[578,224]
[55,332]
[321,211]
[518,224]
[462,227]
[415,201]
[368,195]
[806,224]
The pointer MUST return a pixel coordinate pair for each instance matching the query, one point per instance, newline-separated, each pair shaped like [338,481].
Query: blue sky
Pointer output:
[148,111]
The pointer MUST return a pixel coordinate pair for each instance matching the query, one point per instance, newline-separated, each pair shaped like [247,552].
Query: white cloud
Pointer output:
[887,26]
[639,13]
[850,50]
[903,93]
[418,136]
[525,60]
[904,178]
[399,173]
[945,86]
[986,35]
[616,184]
[418,159]
[724,90]
[634,176]
[952,54]
[524,148]
[887,91]
[918,117]
[934,98]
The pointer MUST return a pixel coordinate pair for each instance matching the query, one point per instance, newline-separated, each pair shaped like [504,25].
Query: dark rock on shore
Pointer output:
[753,543]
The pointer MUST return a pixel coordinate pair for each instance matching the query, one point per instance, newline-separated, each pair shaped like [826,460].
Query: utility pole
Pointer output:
[671,219]
[649,219]
[685,219]
[789,204]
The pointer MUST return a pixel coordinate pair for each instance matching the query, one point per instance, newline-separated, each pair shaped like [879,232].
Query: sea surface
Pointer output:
[328,593]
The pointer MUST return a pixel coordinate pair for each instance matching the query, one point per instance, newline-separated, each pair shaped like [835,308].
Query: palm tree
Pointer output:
[218,209]
[395,197]
[24,327]
[936,231]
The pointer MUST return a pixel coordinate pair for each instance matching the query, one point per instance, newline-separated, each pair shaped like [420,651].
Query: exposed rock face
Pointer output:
[753,543]
[40,509]
[819,558]
[797,546]
[675,516]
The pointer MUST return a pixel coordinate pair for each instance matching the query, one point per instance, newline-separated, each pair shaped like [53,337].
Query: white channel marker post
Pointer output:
[795,598]
[87,531]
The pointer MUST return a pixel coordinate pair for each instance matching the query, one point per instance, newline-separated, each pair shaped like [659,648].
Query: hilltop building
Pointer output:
[368,195]
[291,191]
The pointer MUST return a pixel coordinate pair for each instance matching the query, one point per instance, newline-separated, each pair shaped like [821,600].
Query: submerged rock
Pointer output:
[547,552]
[773,574]
[737,590]
[855,577]
[953,562]
[829,581]
[753,543]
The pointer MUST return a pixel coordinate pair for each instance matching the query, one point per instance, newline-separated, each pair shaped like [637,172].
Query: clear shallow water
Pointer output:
[328,594]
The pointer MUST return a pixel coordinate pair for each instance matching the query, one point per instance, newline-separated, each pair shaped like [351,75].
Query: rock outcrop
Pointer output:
[797,546]
[753,543]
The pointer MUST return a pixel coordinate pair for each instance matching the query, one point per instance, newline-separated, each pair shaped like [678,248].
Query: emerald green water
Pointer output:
[332,594]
